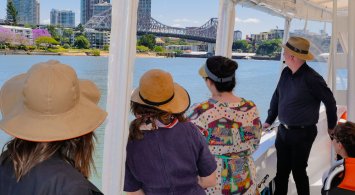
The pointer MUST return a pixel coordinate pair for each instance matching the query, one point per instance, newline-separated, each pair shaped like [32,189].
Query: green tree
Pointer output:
[81,30]
[81,42]
[269,47]
[182,42]
[64,40]
[147,40]
[67,33]
[158,49]
[95,52]
[53,31]
[46,42]
[66,46]
[12,13]
[141,48]
[106,47]
[240,44]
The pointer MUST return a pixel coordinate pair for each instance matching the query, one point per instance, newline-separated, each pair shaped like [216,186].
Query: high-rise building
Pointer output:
[144,8]
[87,9]
[28,11]
[64,18]
[237,35]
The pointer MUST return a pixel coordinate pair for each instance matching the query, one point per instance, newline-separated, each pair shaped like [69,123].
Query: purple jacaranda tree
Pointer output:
[9,37]
[6,35]
[40,33]
[21,40]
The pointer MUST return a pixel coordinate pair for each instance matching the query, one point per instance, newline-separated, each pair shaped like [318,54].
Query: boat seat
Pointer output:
[340,178]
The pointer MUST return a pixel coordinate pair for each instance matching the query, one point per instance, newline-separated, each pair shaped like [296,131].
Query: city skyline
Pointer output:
[176,13]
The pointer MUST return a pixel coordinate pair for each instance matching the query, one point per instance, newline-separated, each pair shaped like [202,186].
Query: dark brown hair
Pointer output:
[345,134]
[27,154]
[148,114]
[222,67]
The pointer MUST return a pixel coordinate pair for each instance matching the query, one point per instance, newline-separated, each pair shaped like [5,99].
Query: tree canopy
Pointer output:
[81,42]
[269,47]
[46,41]
[53,31]
[243,45]
[81,29]
[12,13]
[147,40]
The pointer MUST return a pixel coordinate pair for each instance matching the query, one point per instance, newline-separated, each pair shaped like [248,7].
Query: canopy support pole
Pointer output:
[351,61]
[120,73]
[225,29]
[287,26]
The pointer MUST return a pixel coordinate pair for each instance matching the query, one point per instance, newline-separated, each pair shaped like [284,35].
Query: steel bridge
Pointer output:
[148,25]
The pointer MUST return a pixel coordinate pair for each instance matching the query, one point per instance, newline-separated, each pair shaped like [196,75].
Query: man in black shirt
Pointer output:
[296,101]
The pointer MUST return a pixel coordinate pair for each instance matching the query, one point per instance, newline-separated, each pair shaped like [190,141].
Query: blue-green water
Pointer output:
[256,80]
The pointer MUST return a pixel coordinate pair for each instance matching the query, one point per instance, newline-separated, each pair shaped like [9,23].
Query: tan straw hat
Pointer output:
[298,47]
[157,89]
[49,103]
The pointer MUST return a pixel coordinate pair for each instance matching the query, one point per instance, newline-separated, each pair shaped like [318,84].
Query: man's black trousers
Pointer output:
[293,147]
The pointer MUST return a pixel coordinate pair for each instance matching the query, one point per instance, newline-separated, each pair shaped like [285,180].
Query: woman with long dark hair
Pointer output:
[52,115]
[165,154]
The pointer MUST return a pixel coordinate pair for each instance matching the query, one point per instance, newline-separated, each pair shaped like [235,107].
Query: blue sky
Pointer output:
[182,13]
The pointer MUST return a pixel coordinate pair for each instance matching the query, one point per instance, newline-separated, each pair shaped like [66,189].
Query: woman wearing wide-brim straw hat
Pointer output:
[165,154]
[52,115]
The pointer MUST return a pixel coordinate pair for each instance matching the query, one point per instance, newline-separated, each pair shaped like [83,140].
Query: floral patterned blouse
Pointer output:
[233,132]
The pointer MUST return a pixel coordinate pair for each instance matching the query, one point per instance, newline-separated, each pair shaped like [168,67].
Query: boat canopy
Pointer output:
[318,10]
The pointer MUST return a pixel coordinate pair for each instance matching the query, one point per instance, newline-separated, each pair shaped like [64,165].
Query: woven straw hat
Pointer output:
[299,47]
[157,89]
[49,103]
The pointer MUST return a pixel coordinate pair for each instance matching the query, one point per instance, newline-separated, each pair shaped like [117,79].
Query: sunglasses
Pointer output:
[332,137]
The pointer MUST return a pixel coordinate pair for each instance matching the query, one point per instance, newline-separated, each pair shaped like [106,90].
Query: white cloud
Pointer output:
[247,21]
[45,21]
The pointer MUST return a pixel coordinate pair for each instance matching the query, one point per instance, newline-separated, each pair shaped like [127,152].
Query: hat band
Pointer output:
[155,103]
[296,49]
[216,78]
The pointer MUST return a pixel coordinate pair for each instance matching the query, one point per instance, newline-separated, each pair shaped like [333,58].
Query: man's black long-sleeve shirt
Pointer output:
[297,98]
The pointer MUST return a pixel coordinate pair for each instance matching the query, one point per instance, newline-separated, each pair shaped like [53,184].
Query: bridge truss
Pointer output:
[148,25]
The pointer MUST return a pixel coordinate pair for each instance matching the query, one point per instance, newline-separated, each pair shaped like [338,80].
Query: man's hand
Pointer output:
[266,125]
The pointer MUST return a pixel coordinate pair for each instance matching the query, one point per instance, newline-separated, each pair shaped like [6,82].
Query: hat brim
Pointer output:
[21,122]
[308,56]
[202,71]
[179,104]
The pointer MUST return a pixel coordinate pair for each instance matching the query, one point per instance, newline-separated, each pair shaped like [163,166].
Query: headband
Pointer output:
[216,78]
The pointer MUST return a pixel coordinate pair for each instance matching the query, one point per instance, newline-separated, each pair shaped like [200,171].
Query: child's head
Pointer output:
[343,137]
